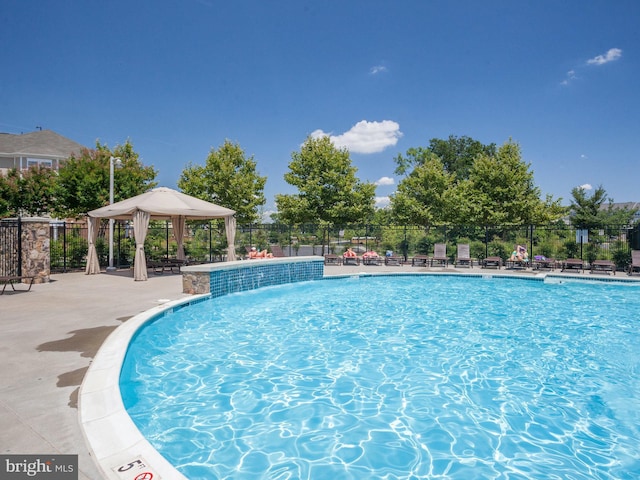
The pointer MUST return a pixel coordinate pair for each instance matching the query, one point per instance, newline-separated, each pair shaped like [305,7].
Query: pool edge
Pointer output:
[109,432]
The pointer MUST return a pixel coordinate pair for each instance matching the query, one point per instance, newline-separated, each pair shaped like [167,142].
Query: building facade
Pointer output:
[40,148]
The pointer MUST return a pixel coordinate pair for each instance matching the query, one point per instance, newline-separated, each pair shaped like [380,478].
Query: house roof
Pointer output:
[43,143]
[615,206]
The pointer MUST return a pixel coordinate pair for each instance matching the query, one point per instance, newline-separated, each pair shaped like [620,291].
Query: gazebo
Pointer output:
[158,204]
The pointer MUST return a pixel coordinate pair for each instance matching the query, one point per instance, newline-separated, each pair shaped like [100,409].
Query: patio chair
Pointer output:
[371,258]
[350,260]
[332,259]
[276,251]
[393,260]
[13,279]
[492,262]
[635,262]
[440,254]
[606,266]
[420,260]
[519,258]
[540,262]
[463,256]
[572,264]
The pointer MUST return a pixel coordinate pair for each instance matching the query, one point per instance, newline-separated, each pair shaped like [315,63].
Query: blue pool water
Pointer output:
[396,377]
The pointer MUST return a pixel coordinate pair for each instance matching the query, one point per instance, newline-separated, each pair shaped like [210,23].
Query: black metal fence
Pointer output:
[205,242]
[10,247]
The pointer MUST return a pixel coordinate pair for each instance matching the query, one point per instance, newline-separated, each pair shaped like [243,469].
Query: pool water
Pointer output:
[395,377]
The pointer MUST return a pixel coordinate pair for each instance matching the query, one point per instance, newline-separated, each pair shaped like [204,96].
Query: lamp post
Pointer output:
[113,162]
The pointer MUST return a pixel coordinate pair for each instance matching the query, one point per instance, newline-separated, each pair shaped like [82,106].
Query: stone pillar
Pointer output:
[36,255]
[196,282]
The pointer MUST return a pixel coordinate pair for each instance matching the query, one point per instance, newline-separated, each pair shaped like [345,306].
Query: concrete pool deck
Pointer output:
[51,334]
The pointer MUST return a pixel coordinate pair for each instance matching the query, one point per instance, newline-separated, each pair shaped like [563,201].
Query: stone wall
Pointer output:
[196,282]
[36,257]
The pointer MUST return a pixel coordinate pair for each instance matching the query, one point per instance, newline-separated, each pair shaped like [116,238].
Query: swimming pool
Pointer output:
[394,377]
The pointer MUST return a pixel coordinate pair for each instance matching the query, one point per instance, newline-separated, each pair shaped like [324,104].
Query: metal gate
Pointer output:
[10,247]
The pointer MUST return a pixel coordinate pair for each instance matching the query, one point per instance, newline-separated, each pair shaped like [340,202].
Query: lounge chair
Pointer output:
[635,262]
[606,266]
[13,279]
[572,264]
[350,258]
[276,251]
[166,265]
[420,261]
[393,260]
[463,256]
[370,259]
[519,258]
[540,262]
[332,259]
[440,254]
[492,262]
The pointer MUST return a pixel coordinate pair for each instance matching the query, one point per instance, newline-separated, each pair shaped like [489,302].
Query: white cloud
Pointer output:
[611,55]
[382,202]
[266,216]
[366,137]
[383,181]
[377,69]
[571,75]
[586,186]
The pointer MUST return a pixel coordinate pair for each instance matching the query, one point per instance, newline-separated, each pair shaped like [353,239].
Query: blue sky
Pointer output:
[178,77]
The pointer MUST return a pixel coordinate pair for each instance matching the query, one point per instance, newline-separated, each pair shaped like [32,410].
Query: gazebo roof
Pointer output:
[162,203]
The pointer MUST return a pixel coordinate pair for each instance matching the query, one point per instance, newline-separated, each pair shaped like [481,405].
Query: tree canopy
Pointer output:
[498,188]
[229,179]
[457,155]
[592,211]
[328,188]
[28,192]
[83,182]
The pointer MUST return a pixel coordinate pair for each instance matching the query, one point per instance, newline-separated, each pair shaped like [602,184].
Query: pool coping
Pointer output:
[111,435]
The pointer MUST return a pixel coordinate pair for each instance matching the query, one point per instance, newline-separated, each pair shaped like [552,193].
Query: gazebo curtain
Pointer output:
[177,223]
[93,265]
[140,228]
[230,228]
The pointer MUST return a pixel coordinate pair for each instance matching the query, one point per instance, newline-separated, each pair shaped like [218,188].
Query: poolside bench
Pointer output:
[12,280]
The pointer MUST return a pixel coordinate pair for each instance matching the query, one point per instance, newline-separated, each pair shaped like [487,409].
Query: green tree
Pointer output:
[587,211]
[457,155]
[423,197]
[597,210]
[500,190]
[228,179]
[27,192]
[83,181]
[328,189]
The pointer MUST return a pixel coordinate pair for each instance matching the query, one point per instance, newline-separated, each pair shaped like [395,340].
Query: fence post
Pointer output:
[530,231]
[405,245]
[64,247]
[486,241]
[19,246]
[210,241]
